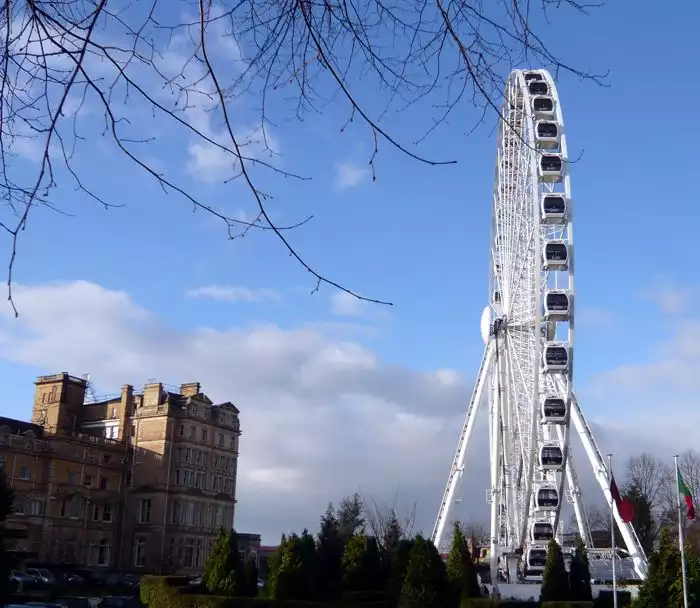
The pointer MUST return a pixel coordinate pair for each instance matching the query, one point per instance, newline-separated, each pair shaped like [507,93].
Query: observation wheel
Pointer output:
[531,321]
[527,366]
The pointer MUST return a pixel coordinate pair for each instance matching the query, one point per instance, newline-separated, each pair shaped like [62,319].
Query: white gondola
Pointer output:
[543,107]
[555,255]
[557,305]
[551,168]
[546,497]
[538,88]
[553,208]
[553,410]
[547,134]
[541,532]
[530,76]
[551,456]
[555,357]
[536,558]
[497,297]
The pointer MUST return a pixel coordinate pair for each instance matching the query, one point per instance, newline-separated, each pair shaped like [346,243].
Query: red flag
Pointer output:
[687,496]
[624,507]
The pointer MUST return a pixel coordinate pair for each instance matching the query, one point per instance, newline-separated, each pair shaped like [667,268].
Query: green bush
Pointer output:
[486,602]
[571,604]
[605,599]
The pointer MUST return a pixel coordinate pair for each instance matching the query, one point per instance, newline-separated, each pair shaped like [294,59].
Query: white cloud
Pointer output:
[349,175]
[670,298]
[232,293]
[347,305]
[322,415]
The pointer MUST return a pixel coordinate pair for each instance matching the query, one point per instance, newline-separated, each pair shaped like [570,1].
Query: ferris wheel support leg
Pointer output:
[496,467]
[458,462]
[634,547]
[577,498]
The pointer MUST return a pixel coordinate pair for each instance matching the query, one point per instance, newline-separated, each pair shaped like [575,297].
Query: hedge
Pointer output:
[605,599]
[494,603]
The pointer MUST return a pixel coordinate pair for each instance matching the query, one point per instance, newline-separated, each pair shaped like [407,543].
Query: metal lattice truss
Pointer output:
[528,329]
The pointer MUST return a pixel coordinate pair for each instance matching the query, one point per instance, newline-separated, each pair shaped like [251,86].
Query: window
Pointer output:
[87,481]
[128,478]
[174,512]
[112,432]
[140,552]
[193,432]
[177,477]
[188,553]
[107,511]
[114,412]
[73,478]
[36,507]
[232,442]
[18,505]
[96,513]
[72,507]
[103,552]
[188,455]
[182,430]
[145,511]
[103,483]
[220,440]
[205,458]
[193,410]
[106,458]
[25,473]
[204,434]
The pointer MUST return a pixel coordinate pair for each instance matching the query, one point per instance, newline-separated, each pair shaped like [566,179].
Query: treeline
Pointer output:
[346,562]
[649,483]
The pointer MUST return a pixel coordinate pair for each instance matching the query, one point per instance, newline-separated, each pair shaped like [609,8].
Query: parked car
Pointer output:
[42,575]
[17,576]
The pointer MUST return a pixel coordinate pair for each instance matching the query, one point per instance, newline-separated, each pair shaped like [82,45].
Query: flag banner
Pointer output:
[686,496]
[624,507]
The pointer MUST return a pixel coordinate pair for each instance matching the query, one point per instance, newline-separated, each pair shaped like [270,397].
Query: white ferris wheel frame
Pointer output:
[516,333]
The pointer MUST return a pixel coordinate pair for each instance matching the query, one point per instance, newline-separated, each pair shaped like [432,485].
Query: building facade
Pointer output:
[139,481]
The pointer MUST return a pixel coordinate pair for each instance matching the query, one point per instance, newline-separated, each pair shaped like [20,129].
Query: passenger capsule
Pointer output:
[530,76]
[538,87]
[536,558]
[555,357]
[496,296]
[555,255]
[551,456]
[553,209]
[547,134]
[553,410]
[547,497]
[543,107]
[557,305]
[551,168]
[541,532]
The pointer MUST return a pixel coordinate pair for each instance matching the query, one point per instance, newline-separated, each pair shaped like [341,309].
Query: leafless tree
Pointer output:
[195,64]
[689,465]
[381,518]
[647,474]
[478,536]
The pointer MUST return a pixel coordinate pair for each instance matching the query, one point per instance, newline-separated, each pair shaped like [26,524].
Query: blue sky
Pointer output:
[417,236]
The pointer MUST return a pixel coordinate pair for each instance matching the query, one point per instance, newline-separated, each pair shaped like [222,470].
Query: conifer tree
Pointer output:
[250,576]
[350,516]
[223,572]
[555,580]
[580,574]
[663,585]
[329,556]
[286,577]
[6,500]
[425,584]
[396,566]
[460,568]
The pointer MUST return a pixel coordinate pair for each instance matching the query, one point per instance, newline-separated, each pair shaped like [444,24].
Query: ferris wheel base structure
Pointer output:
[526,374]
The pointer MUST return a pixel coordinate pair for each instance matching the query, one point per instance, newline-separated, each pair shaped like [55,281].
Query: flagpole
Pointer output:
[681,534]
[612,533]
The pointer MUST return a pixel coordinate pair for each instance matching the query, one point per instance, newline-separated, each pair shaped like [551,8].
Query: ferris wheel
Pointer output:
[528,331]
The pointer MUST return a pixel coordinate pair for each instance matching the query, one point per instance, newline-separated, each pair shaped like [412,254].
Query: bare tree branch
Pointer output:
[158,62]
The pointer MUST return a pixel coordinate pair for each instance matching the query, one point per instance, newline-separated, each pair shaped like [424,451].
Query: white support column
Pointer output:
[600,471]
[458,462]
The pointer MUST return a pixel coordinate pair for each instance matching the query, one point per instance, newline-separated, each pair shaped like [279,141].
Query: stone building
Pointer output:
[139,481]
